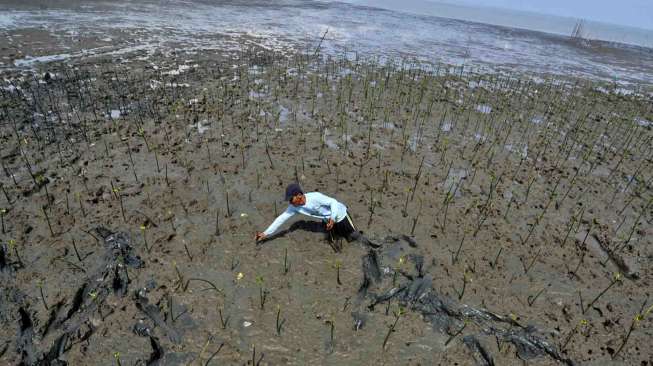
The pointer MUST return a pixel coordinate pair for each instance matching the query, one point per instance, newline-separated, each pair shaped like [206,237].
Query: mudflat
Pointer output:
[514,214]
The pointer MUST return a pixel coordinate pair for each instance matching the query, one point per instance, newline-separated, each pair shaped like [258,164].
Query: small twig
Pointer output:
[213,355]
[213,286]
[455,334]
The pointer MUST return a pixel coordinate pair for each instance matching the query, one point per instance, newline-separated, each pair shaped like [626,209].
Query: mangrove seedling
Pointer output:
[2,218]
[572,222]
[4,191]
[391,329]
[223,321]
[213,286]
[217,222]
[39,284]
[79,258]
[451,337]
[47,219]
[263,293]
[116,356]
[532,298]
[641,315]
[496,259]
[180,278]
[419,212]
[615,279]
[337,264]
[254,362]
[208,361]
[286,263]
[332,329]
[400,262]
[143,228]
[466,278]
[581,323]
[456,254]
[528,268]
[12,245]
[122,207]
[226,194]
[190,257]
[279,321]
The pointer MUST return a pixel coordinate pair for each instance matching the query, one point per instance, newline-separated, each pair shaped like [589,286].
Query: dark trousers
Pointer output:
[343,229]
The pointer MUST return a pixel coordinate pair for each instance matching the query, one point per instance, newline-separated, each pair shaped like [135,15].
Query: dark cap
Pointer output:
[292,190]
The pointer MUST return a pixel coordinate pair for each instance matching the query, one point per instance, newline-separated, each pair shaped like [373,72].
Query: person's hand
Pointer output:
[329,224]
[260,236]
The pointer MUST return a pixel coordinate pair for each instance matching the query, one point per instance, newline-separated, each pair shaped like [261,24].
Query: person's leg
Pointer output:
[352,234]
[344,228]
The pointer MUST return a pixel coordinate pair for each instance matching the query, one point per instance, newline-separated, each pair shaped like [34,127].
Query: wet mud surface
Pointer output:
[513,217]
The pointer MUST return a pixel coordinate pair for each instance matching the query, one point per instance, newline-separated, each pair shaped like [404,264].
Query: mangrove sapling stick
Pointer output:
[217,222]
[528,189]
[208,361]
[572,222]
[531,299]
[79,258]
[337,265]
[263,293]
[223,321]
[213,286]
[147,248]
[451,338]
[180,279]
[131,160]
[2,218]
[286,263]
[122,207]
[226,193]
[634,227]
[190,257]
[573,332]
[39,283]
[279,322]
[496,259]
[580,261]
[331,330]
[505,215]
[156,159]
[526,269]
[372,204]
[166,171]
[465,280]
[106,149]
[391,329]
[531,230]
[417,176]
[81,205]
[4,191]
[636,319]
[447,200]
[419,212]
[617,278]
[454,257]
[47,219]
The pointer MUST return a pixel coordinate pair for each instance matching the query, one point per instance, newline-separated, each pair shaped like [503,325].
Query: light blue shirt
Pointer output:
[317,205]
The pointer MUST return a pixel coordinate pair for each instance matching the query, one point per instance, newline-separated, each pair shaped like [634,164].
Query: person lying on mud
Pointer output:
[333,213]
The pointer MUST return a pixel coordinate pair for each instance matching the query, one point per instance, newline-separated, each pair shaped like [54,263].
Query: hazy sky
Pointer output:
[634,13]
[637,13]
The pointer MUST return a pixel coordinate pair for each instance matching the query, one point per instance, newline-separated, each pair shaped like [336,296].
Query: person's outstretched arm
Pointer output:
[288,213]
